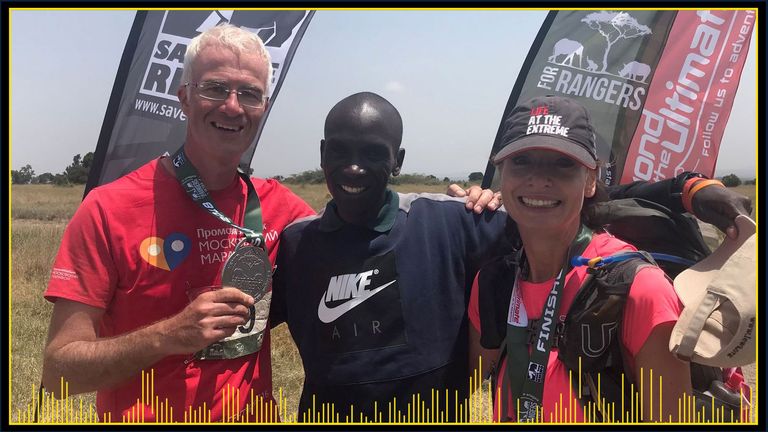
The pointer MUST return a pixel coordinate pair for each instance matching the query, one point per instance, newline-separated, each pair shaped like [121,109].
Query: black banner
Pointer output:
[144,118]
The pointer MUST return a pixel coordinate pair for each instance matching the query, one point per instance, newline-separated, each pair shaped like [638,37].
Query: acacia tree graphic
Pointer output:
[614,26]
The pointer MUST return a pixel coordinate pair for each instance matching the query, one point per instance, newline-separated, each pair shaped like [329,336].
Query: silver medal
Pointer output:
[248,269]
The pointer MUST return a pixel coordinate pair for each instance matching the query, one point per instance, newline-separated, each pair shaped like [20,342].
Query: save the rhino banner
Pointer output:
[144,117]
[659,84]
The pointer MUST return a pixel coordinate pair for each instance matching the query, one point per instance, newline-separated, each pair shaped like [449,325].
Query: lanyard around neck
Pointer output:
[190,180]
[526,372]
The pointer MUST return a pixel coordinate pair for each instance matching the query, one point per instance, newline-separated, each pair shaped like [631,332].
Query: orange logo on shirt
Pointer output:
[166,253]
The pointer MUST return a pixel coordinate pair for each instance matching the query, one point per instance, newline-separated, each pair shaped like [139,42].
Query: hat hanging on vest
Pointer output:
[717,326]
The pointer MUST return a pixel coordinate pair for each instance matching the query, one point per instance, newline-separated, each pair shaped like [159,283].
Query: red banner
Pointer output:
[691,95]
[659,85]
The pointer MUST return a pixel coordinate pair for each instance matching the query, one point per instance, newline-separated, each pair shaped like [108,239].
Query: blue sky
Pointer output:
[448,72]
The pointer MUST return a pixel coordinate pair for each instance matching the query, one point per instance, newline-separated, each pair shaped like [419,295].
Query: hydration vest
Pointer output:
[600,302]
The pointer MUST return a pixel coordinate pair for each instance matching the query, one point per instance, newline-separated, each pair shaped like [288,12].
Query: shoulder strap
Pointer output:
[593,321]
[592,330]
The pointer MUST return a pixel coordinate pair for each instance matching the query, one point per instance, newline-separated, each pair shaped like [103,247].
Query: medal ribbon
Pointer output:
[189,179]
[526,371]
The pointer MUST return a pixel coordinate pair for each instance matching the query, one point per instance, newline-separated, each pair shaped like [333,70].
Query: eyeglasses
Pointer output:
[216,91]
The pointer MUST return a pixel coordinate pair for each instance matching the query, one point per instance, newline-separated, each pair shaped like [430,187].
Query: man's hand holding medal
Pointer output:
[214,313]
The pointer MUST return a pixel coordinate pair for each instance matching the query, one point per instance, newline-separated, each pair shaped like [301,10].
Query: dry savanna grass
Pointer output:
[39,216]
[45,202]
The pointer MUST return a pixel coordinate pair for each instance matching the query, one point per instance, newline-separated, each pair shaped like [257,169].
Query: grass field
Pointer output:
[39,214]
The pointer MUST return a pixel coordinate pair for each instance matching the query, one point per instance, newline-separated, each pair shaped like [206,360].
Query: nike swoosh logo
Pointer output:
[328,315]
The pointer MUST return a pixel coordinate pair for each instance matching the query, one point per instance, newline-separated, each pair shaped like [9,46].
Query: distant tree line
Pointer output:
[316,176]
[75,173]
[305,177]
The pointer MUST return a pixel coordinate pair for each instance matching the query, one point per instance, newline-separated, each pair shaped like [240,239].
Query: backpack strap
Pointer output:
[590,342]
[594,318]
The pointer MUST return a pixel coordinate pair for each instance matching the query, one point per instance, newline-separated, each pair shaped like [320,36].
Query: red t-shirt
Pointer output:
[134,247]
[651,301]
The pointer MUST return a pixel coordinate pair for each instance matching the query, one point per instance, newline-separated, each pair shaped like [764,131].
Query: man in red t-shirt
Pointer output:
[123,321]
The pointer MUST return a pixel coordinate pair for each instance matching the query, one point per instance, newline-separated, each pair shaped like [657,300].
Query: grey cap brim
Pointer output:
[548,142]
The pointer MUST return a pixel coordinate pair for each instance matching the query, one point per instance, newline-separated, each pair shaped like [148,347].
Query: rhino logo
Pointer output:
[635,71]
